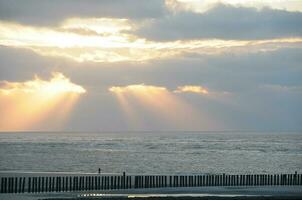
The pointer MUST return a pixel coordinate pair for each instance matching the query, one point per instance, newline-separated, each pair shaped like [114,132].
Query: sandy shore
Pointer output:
[248,193]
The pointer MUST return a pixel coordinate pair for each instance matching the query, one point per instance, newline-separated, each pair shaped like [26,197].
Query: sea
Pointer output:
[152,152]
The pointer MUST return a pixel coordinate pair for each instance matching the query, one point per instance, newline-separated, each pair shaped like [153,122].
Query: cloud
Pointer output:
[52,12]
[224,22]
[25,105]
[282,88]
[201,6]
[192,89]
[58,84]
[248,107]
[110,44]
[137,88]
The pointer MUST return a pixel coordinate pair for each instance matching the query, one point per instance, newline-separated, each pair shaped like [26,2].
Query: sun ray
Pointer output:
[27,104]
[163,104]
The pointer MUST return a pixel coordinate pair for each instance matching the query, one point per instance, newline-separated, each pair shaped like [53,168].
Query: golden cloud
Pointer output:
[27,104]
[192,89]
[105,40]
[137,88]
[56,85]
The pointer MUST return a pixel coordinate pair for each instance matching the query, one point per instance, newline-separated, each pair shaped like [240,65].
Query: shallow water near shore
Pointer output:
[152,152]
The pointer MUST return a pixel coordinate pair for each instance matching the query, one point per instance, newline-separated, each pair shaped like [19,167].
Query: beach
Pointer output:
[248,193]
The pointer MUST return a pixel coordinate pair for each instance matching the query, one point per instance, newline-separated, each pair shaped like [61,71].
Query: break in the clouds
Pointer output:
[108,43]
[150,65]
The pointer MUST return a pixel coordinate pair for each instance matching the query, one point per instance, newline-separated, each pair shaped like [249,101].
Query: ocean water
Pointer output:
[152,152]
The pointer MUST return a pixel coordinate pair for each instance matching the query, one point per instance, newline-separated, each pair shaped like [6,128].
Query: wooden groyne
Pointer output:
[63,183]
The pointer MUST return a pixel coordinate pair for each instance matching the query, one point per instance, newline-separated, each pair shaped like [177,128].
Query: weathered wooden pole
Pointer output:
[2,183]
[46,184]
[23,185]
[5,185]
[9,185]
[164,181]
[34,185]
[49,184]
[130,182]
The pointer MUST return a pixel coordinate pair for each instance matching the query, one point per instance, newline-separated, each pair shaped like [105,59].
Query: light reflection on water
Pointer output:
[164,195]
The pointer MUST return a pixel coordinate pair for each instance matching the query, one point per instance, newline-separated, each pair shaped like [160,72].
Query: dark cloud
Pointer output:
[51,12]
[225,22]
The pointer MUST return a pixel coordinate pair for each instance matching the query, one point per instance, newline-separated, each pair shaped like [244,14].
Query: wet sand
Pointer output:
[211,193]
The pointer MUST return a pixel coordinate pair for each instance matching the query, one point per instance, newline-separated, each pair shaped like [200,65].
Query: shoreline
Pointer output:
[212,193]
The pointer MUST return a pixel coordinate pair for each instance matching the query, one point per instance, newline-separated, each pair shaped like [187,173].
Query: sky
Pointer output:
[150,65]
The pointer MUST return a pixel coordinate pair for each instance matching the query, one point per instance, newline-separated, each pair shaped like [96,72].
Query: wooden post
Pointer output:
[49,184]
[36,184]
[99,182]
[82,183]
[5,185]
[16,185]
[33,185]
[148,182]
[2,183]
[23,185]
[114,183]
[142,181]
[42,184]
[12,185]
[124,175]
[180,181]
[46,184]
[39,184]
[136,181]
[130,182]
[52,182]
[119,182]
[8,184]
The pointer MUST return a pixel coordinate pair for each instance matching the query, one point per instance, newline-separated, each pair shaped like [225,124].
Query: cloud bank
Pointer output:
[225,66]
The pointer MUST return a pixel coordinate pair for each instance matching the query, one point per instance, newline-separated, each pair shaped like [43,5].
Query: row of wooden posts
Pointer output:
[102,182]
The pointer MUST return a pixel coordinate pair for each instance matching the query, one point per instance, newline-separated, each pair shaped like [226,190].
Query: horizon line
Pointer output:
[142,131]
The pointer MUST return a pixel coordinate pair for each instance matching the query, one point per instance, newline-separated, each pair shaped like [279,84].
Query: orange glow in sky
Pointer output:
[26,104]
[162,103]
